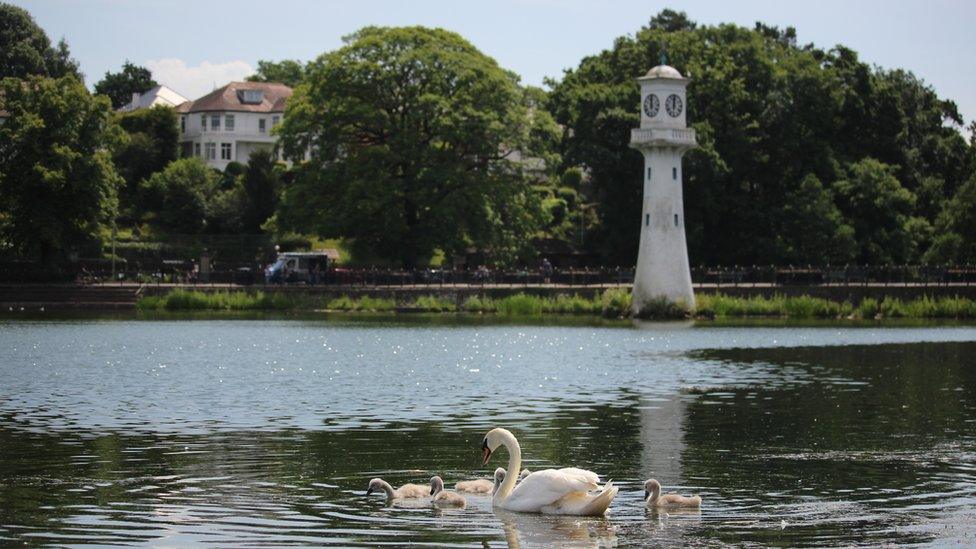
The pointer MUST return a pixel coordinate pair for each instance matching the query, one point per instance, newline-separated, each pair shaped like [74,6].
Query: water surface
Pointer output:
[266,432]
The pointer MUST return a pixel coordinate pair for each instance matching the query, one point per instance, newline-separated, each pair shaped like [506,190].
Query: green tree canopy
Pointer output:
[413,136]
[119,86]
[287,71]
[57,180]
[261,182]
[150,143]
[179,197]
[25,49]
[955,232]
[768,112]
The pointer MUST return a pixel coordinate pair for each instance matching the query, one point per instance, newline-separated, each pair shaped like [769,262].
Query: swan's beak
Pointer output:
[431,490]
[369,491]
[486,451]
[646,495]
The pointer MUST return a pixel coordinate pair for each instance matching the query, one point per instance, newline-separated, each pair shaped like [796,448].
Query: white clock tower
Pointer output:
[662,260]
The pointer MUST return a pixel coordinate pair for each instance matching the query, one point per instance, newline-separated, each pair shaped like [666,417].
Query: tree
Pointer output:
[150,144]
[955,240]
[262,185]
[879,208]
[768,113]
[412,133]
[120,86]
[180,196]
[288,72]
[815,232]
[57,181]
[25,49]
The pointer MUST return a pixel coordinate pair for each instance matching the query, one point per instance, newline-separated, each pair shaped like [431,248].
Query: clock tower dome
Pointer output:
[663,137]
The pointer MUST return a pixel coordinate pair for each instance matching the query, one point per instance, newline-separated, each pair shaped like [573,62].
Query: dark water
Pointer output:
[265,432]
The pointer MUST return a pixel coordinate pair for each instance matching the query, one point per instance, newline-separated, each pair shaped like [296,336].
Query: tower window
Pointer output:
[674,173]
[648,174]
[675,220]
[647,220]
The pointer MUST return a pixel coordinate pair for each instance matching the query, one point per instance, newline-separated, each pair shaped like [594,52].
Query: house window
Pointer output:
[250,97]
[647,220]
[675,220]
[225,151]
[196,149]
[229,122]
[215,122]
[648,174]
[211,149]
[674,173]
[182,124]
[274,121]
[203,122]
[261,128]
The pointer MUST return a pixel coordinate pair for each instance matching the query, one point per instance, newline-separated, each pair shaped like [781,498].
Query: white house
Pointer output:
[160,95]
[229,123]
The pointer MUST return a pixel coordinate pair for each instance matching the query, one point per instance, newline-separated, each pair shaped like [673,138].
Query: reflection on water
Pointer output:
[267,431]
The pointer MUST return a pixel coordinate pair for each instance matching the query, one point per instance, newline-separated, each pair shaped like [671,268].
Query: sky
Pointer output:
[195,46]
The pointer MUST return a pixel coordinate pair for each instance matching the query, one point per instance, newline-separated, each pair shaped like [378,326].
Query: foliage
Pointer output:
[150,144]
[261,183]
[120,86]
[287,71]
[189,300]
[786,131]
[416,128]
[434,303]
[57,181]
[956,227]
[26,51]
[879,208]
[179,196]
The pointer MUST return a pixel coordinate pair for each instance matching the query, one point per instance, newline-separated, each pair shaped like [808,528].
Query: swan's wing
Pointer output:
[545,487]
[588,476]
[413,491]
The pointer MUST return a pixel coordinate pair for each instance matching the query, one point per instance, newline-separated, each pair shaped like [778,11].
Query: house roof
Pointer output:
[160,95]
[227,98]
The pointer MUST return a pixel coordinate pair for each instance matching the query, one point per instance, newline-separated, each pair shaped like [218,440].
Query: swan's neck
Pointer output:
[390,492]
[655,493]
[514,464]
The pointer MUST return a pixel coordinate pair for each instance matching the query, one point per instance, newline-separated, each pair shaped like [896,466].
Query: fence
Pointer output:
[181,272]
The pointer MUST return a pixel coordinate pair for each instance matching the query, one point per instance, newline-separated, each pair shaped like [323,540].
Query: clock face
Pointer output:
[673,105]
[651,105]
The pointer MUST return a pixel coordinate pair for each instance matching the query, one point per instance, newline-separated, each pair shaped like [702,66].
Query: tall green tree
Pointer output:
[150,143]
[25,49]
[179,198]
[768,112]
[413,134]
[955,240]
[119,86]
[879,208]
[261,182]
[287,71]
[58,185]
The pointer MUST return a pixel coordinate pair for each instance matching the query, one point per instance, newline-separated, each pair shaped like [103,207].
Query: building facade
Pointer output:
[663,271]
[231,122]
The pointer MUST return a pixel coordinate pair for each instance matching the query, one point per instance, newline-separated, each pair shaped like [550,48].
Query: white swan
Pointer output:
[551,491]
[652,494]
[405,491]
[500,477]
[442,497]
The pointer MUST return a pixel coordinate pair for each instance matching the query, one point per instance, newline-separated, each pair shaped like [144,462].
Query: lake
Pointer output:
[266,431]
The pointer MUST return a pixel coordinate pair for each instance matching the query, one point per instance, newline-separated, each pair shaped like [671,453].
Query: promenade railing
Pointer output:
[182,272]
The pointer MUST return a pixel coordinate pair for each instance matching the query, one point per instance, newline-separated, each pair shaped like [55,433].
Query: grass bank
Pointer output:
[611,304]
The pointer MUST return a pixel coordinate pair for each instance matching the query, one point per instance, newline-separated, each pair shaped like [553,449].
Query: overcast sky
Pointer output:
[193,46]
